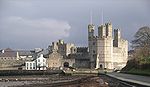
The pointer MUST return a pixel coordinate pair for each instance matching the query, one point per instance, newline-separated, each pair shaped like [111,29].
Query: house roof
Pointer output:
[8,49]
[13,53]
[8,53]
[24,53]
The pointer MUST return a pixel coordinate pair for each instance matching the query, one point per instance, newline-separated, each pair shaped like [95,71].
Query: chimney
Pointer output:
[3,51]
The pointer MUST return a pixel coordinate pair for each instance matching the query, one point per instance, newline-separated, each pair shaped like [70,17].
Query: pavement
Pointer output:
[142,80]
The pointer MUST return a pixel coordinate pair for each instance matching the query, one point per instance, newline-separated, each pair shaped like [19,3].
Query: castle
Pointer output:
[106,51]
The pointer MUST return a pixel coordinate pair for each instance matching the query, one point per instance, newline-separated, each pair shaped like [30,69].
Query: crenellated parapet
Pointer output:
[82,49]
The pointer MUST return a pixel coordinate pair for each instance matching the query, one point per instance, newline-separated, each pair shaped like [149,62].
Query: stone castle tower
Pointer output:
[104,50]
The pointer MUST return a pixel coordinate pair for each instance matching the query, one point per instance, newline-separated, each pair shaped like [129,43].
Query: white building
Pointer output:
[41,63]
[30,65]
[37,64]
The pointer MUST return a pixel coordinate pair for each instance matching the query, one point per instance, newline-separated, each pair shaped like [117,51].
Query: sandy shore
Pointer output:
[51,81]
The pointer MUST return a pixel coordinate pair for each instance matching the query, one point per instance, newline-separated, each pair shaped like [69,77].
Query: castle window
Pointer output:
[93,51]
[93,43]
[89,37]
[66,64]
[93,56]
[101,66]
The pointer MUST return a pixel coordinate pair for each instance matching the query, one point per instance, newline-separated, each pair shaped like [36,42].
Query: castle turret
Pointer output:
[102,31]
[117,36]
[108,29]
[105,47]
[91,28]
[54,46]
[61,41]
[92,44]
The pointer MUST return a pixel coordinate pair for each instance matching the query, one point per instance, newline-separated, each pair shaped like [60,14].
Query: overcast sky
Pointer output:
[28,24]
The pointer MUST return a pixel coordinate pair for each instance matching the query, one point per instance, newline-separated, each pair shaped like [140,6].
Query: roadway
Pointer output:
[143,80]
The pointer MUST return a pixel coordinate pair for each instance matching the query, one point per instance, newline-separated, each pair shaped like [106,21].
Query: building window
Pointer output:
[30,65]
[33,65]
[43,60]
[38,60]
[27,65]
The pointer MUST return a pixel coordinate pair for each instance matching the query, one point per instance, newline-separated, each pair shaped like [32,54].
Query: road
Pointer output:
[145,80]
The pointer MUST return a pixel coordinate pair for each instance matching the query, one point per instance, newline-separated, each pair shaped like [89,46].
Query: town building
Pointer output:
[8,54]
[58,55]
[30,65]
[25,55]
[37,64]
[41,63]
[82,59]
[9,59]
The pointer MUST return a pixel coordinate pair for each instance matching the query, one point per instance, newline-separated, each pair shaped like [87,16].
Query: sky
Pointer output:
[29,24]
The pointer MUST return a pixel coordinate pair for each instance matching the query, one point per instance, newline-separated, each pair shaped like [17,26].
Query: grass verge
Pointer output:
[138,72]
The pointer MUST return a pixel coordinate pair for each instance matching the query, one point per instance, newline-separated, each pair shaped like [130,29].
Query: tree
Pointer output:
[142,37]
[141,45]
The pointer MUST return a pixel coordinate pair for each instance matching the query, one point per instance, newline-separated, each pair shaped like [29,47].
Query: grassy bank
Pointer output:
[138,72]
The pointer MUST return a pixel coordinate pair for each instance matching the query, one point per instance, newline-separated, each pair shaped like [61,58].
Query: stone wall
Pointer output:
[11,64]
[5,63]
[54,60]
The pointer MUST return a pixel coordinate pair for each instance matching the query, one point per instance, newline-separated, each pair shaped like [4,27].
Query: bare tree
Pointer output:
[141,45]
[142,37]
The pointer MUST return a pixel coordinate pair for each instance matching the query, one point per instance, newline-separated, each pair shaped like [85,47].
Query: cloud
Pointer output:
[54,27]
[33,30]
[28,22]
